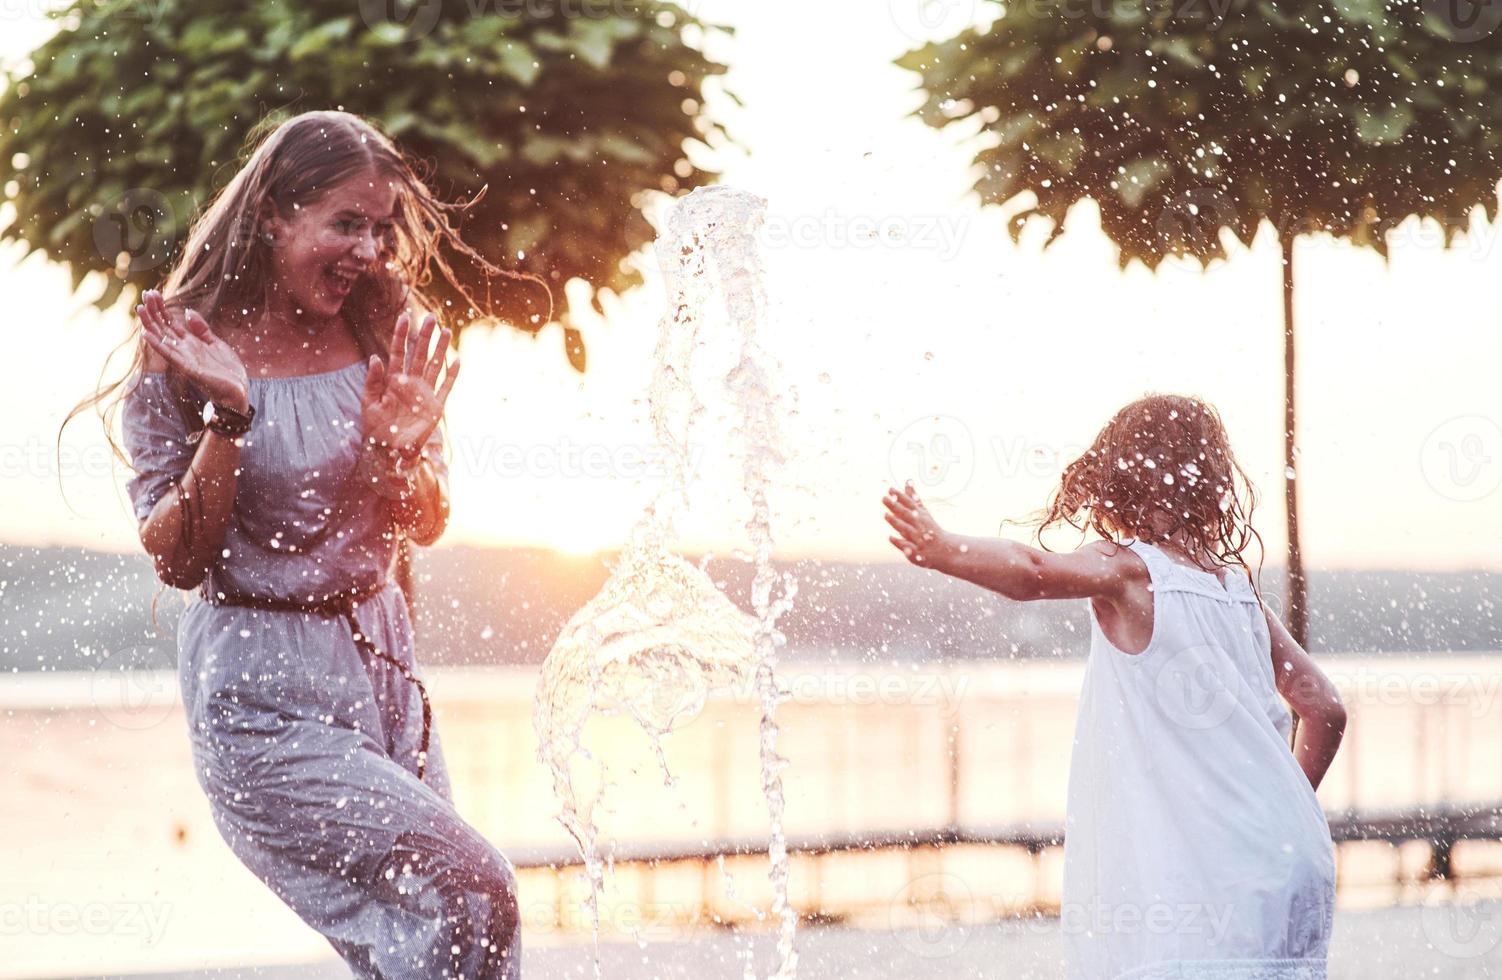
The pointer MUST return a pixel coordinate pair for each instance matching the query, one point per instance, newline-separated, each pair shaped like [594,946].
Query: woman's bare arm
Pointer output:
[426,515]
[423,515]
[208,487]
[1312,696]
[400,407]
[204,497]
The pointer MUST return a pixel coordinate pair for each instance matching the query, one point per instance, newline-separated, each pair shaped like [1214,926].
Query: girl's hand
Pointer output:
[187,343]
[400,409]
[919,537]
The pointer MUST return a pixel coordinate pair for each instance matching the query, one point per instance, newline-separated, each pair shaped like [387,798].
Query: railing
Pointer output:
[1441,828]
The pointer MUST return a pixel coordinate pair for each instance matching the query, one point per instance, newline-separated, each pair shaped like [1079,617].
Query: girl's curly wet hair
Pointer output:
[1161,470]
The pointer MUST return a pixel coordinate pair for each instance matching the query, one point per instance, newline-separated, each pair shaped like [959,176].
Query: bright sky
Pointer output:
[933,333]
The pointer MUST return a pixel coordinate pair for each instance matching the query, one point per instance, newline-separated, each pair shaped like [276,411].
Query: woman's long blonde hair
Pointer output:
[224,269]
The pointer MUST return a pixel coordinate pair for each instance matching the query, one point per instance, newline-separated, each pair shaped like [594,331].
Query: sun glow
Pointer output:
[581,539]
[578,518]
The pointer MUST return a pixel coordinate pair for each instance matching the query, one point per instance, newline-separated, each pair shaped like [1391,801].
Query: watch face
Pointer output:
[227,416]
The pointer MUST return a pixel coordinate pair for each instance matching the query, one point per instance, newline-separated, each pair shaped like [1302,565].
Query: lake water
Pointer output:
[111,862]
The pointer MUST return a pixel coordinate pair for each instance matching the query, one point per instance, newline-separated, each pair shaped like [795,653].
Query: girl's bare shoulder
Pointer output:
[1125,612]
[1116,556]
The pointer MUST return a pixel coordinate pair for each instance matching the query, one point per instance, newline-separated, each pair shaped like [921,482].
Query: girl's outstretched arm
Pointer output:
[1312,696]
[1099,570]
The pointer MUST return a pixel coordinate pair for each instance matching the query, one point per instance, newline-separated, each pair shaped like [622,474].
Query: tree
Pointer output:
[133,114]
[1185,119]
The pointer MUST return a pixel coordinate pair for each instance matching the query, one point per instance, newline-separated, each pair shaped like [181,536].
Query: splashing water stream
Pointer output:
[660,638]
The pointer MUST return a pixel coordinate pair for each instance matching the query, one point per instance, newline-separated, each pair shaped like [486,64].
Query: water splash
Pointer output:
[660,638]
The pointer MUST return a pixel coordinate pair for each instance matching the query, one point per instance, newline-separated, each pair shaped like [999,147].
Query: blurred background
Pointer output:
[989,226]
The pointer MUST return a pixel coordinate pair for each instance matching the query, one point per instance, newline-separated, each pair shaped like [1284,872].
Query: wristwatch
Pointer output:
[226,421]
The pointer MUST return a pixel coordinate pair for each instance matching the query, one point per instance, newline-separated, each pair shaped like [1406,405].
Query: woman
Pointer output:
[286,325]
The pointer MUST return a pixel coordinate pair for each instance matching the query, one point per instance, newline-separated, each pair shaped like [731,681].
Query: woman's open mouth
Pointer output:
[338,282]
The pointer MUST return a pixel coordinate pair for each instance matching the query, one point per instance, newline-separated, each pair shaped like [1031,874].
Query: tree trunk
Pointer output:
[1296,616]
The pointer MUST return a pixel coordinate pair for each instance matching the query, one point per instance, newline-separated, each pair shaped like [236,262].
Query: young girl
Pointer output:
[1194,844]
[286,323]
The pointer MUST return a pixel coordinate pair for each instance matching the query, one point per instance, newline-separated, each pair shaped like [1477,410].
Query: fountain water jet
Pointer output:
[660,638]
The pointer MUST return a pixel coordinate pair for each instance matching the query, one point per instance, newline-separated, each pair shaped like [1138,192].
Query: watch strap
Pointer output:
[228,422]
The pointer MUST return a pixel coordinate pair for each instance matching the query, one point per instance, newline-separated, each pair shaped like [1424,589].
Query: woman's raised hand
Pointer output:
[186,342]
[401,406]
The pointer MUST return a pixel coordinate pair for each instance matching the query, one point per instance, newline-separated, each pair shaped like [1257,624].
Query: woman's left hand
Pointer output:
[401,407]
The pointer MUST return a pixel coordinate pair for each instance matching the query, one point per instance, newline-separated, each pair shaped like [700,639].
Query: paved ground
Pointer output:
[1401,944]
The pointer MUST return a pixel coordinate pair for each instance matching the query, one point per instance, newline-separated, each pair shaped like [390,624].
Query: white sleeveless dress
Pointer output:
[1194,844]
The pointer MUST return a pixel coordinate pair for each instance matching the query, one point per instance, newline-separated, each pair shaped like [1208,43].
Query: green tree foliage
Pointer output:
[1187,119]
[1183,117]
[571,111]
